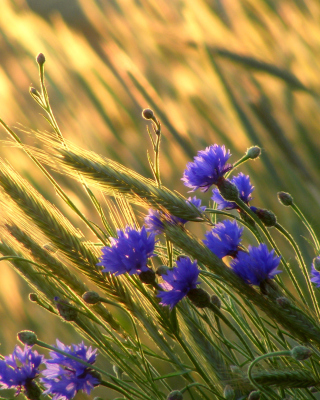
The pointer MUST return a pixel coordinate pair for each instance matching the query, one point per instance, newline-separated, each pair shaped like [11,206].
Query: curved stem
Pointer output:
[297,210]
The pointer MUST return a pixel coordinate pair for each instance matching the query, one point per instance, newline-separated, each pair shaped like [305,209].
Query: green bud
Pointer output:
[316,263]
[254,395]
[27,337]
[199,297]
[162,270]
[267,217]
[216,301]
[41,59]
[228,393]
[285,198]
[283,302]
[33,297]
[175,395]
[301,353]
[34,92]
[91,297]
[148,277]
[253,152]
[228,190]
[147,113]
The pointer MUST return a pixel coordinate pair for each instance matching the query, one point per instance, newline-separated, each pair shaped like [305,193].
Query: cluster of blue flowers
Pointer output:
[63,377]
[131,251]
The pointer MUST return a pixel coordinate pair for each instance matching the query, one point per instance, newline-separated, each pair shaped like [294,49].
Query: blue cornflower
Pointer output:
[224,239]
[153,219]
[257,265]
[207,168]
[19,368]
[245,189]
[315,274]
[64,377]
[179,281]
[129,252]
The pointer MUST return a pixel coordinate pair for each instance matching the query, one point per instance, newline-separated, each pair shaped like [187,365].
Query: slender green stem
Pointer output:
[308,226]
[269,355]
[303,266]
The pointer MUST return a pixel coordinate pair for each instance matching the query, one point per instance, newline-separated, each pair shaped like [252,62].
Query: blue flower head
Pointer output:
[64,377]
[207,168]
[315,274]
[178,282]
[19,368]
[245,189]
[156,226]
[224,239]
[257,265]
[128,253]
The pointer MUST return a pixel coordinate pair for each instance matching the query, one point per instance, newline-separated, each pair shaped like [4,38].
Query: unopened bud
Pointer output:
[301,353]
[216,301]
[147,113]
[66,310]
[148,277]
[33,297]
[267,217]
[316,263]
[254,395]
[175,395]
[162,270]
[228,393]
[34,92]
[41,59]
[91,297]
[254,152]
[285,198]
[27,337]
[199,297]
[228,190]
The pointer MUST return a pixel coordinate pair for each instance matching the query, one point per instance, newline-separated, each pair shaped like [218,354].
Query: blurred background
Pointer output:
[233,72]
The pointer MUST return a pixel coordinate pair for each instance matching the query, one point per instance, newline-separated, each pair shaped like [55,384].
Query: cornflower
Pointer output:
[153,219]
[245,189]
[19,369]
[315,274]
[207,168]
[129,253]
[64,377]
[224,239]
[179,281]
[257,265]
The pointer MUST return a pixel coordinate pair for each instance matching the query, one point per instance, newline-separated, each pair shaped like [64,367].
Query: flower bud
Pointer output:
[254,395]
[175,395]
[199,297]
[228,393]
[91,297]
[27,337]
[267,217]
[253,152]
[66,310]
[34,92]
[228,190]
[216,301]
[41,59]
[285,198]
[147,113]
[301,353]
[316,263]
[33,297]
[162,270]
[148,277]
